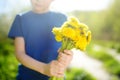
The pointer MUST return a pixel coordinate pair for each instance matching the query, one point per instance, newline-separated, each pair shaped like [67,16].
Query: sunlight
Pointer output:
[84,5]
[60,5]
[70,5]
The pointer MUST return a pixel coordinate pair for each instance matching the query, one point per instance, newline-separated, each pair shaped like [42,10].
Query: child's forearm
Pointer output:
[51,69]
[54,68]
[24,58]
[30,62]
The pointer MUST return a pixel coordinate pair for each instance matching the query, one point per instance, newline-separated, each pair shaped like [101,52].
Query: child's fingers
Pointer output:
[65,58]
[59,70]
[58,50]
[68,52]
[65,55]
[60,75]
[61,55]
[62,60]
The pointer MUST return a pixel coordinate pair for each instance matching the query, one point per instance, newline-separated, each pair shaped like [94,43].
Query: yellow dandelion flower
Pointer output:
[81,43]
[83,26]
[65,25]
[73,19]
[74,22]
[56,31]
[76,38]
[88,37]
[68,32]
[58,38]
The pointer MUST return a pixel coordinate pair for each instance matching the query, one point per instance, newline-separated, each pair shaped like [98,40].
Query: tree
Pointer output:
[112,22]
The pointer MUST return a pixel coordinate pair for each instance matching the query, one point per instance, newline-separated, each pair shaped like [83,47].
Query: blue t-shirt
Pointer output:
[40,43]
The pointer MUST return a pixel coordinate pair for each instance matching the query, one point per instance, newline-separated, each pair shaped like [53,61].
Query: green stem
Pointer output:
[70,45]
[64,44]
[56,78]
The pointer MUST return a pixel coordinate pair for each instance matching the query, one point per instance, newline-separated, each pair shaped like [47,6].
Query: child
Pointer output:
[35,46]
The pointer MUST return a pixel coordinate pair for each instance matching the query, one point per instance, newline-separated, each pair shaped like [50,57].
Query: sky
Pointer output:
[59,5]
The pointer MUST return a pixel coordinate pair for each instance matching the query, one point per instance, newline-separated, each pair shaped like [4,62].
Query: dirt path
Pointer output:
[93,66]
[109,51]
[114,54]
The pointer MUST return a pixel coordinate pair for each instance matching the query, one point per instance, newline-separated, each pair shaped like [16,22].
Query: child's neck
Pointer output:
[41,12]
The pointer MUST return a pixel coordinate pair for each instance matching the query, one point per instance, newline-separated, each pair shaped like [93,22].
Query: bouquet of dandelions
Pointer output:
[72,34]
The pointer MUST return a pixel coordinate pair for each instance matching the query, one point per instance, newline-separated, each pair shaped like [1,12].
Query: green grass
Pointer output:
[113,67]
[8,62]
[101,55]
[109,44]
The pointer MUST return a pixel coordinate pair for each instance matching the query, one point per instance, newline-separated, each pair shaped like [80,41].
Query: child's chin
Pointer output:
[39,9]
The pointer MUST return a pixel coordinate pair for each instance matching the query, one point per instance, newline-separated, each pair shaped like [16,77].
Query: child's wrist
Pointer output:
[42,68]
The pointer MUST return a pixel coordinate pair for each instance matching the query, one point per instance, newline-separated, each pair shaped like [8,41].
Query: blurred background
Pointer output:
[101,60]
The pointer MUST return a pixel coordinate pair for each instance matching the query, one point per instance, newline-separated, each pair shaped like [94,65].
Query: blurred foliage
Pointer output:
[104,24]
[78,74]
[109,44]
[112,25]
[8,63]
[113,67]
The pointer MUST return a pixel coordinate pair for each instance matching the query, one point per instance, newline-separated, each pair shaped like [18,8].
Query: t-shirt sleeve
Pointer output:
[62,19]
[16,29]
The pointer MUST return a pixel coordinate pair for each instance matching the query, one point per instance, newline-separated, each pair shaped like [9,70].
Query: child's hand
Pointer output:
[65,57]
[54,68]
[57,67]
